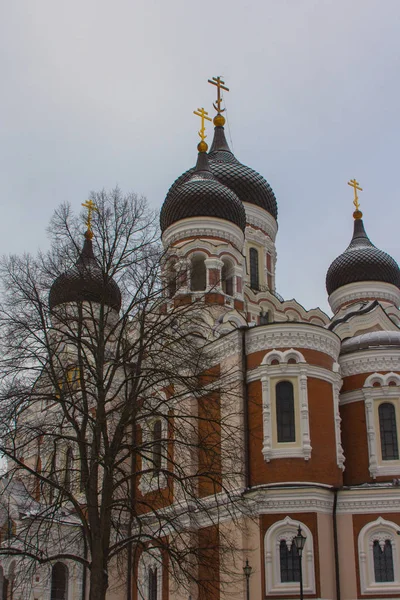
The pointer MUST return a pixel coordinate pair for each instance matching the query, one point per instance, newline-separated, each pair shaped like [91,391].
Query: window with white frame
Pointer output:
[285,406]
[282,564]
[382,412]
[378,555]
[149,581]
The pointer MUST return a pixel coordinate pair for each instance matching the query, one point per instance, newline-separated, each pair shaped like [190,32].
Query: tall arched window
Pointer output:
[157,445]
[171,279]
[289,562]
[68,469]
[285,412]
[149,578]
[198,273]
[254,276]
[388,431]
[152,583]
[383,561]
[59,582]
[227,277]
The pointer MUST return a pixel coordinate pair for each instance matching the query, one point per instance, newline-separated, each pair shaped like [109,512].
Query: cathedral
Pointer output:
[319,406]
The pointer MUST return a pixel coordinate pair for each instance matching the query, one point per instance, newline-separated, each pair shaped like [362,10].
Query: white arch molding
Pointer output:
[286,530]
[380,530]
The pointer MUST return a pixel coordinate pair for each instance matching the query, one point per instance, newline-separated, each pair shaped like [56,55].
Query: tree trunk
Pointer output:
[98,580]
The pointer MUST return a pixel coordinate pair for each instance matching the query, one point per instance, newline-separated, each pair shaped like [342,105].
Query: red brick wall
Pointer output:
[322,466]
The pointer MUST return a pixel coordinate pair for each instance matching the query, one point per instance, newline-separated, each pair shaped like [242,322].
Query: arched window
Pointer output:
[227,277]
[157,445]
[153,583]
[198,273]
[388,431]
[254,276]
[289,561]
[285,412]
[149,580]
[383,561]
[68,470]
[171,279]
[59,582]
[282,563]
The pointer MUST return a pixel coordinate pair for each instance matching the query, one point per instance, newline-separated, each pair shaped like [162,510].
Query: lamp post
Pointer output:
[299,540]
[247,571]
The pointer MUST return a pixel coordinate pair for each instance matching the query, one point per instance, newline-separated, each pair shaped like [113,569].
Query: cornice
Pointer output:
[200,226]
[258,217]
[370,361]
[293,335]
[369,500]
[362,290]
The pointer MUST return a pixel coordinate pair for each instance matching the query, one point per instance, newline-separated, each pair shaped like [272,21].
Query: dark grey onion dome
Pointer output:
[361,261]
[246,183]
[201,195]
[85,282]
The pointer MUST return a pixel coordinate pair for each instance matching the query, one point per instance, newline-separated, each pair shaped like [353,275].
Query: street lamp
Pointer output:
[247,571]
[299,541]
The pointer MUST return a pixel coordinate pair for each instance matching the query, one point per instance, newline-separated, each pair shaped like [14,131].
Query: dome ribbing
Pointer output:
[361,261]
[85,282]
[247,184]
[201,195]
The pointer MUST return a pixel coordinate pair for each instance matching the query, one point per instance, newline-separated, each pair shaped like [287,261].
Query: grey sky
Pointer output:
[96,93]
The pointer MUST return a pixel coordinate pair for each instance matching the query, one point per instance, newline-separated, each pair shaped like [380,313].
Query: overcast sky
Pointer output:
[96,93]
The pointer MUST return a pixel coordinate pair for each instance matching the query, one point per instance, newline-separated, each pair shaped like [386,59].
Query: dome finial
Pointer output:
[357,214]
[90,205]
[219,120]
[203,114]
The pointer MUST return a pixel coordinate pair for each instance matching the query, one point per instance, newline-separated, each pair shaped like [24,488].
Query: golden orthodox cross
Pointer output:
[90,205]
[354,184]
[220,85]
[203,114]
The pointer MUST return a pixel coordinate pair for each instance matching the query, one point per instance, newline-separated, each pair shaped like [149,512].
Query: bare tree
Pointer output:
[115,417]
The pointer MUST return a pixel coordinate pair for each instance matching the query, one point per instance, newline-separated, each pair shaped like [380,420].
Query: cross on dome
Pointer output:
[90,205]
[203,114]
[354,184]
[219,120]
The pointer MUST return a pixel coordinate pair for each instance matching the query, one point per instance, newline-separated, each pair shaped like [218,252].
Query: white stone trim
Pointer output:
[150,559]
[369,500]
[293,335]
[261,218]
[380,530]
[203,226]
[383,380]
[376,318]
[287,529]
[369,361]
[362,290]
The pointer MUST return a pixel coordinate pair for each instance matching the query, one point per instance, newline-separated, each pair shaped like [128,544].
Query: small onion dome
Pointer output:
[85,282]
[200,194]
[247,184]
[361,261]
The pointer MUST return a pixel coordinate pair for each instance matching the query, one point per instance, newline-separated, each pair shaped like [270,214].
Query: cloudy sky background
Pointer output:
[97,93]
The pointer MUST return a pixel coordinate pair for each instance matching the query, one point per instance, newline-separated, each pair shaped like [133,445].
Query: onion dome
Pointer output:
[85,282]
[200,194]
[361,261]
[247,184]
